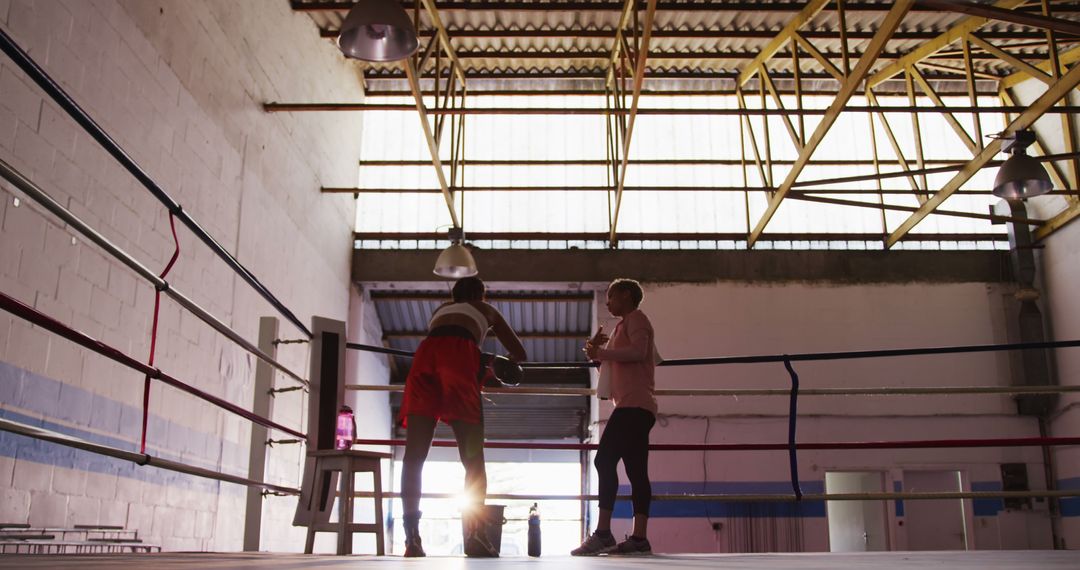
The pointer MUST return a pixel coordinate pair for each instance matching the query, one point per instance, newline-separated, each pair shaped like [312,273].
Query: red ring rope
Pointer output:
[153,334]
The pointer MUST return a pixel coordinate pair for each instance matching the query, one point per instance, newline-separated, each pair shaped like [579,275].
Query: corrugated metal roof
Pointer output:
[703,36]
[553,325]
[515,423]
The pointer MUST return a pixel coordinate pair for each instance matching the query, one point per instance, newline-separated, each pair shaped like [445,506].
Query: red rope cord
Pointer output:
[154,331]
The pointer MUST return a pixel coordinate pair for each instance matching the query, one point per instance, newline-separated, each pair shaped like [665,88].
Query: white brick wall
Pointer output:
[181,91]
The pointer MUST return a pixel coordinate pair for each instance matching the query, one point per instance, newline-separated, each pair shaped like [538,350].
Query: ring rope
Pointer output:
[812,446]
[763,498]
[803,357]
[793,406]
[38,195]
[88,124]
[48,323]
[154,331]
[142,459]
[886,391]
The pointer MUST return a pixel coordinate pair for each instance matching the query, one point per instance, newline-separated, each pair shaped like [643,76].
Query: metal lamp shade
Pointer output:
[378,30]
[1020,177]
[455,262]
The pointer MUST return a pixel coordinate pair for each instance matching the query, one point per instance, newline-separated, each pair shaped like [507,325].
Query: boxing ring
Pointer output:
[792,446]
[298,383]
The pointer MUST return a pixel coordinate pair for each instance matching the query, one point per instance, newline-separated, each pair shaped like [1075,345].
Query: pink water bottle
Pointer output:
[346,428]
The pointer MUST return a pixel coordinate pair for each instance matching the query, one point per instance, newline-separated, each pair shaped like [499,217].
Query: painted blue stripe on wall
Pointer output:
[703,509]
[987,507]
[23,448]
[52,399]
[1070,507]
[807,509]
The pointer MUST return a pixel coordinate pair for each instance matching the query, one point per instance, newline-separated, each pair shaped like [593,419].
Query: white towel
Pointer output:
[603,384]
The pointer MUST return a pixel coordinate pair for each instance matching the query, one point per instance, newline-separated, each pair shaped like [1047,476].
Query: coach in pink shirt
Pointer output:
[628,359]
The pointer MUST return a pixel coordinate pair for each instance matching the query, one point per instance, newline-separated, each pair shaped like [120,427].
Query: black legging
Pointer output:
[626,437]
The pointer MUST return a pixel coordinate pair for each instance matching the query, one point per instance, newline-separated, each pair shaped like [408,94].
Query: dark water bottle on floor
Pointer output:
[534,531]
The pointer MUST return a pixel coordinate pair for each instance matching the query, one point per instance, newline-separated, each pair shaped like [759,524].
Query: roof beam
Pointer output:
[639,78]
[897,150]
[522,335]
[444,38]
[599,74]
[847,89]
[1004,15]
[994,218]
[651,161]
[957,71]
[1011,59]
[1068,58]
[382,94]
[721,34]
[965,138]
[925,50]
[706,265]
[1057,222]
[711,55]
[701,236]
[502,296]
[780,111]
[821,58]
[432,144]
[781,39]
[767,82]
[614,6]
[433,137]
[1055,93]
[739,189]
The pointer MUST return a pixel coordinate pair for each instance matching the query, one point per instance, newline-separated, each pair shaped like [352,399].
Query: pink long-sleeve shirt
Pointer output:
[630,354]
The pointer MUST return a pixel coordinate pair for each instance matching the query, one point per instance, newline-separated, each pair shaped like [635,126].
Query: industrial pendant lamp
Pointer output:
[378,30]
[456,261]
[1021,176]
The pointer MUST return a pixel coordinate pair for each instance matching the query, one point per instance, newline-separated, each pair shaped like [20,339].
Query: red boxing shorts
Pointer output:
[442,381]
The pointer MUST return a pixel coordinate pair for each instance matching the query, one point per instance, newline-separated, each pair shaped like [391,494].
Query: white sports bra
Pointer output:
[468,310]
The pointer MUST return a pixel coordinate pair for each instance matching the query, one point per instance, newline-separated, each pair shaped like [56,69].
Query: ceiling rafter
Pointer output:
[955,33]
[1020,48]
[781,39]
[616,6]
[847,89]
[1048,99]
[638,78]
[433,136]
[701,34]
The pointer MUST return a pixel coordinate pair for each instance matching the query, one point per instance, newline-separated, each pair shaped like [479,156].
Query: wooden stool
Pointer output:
[346,462]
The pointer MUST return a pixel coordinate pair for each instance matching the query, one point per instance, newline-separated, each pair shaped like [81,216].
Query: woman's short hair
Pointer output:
[468,289]
[629,286]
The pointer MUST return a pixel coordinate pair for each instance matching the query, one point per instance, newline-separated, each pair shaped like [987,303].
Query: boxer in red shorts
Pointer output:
[444,384]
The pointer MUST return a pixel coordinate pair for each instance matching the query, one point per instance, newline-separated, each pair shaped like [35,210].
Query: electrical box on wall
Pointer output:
[1014,477]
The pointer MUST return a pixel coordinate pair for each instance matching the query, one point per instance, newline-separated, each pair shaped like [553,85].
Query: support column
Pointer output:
[327,393]
[263,405]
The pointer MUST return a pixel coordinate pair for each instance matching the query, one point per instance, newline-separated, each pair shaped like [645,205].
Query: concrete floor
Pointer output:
[983,560]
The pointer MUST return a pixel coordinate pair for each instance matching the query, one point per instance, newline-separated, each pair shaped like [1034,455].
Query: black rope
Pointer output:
[848,355]
[805,357]
[379,349]
[793,458]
